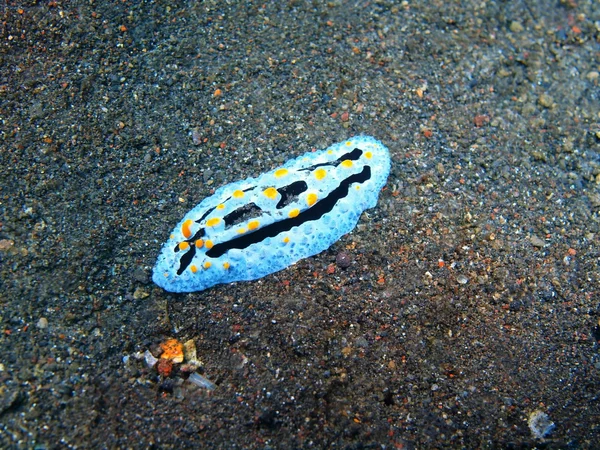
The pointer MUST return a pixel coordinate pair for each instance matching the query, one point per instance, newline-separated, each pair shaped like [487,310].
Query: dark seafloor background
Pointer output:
[472,300]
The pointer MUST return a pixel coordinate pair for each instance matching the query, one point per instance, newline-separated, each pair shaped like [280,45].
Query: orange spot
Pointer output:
[281,173]
[572,252]
[311,199]
[184,246]
[185,228]
[368,155]
[238,194]
[213,221]
[199,243]
[286,240]
[123,28]
[427,133]
[209,244]
[207,265]
[221,205]
[193,268]
[217,93]
[271,193]
[294,213]
[320,174]
[441,263]
[253,225]
[226,265]
[172,350]
[346,163]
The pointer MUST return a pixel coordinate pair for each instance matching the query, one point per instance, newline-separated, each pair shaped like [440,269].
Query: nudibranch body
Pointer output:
[258,226]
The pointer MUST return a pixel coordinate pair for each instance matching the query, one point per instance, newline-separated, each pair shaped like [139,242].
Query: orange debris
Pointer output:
[172,350]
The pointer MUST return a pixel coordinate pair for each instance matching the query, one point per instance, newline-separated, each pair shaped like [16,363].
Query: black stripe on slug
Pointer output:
[321,208]
[354,155]
[242,214]
[290,192]
[186,259]
[205,215]
[199,234]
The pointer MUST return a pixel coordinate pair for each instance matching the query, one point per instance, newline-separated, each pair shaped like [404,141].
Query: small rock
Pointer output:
[42,324]
[140,294]
[593,75]
[516,27]
[540,424]
[546,101]
[536,241]
[343,260]
[140,275]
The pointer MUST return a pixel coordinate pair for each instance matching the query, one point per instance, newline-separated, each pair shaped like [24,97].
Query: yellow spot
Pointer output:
[199,243]
[281,173]
[294,213]
[186,228]
[241,230]
[238,194]
[184,246]
[368,155]
[213,221]
[171,236]
[357,187]
[220,206]
[286,240]
[271,193]
[311,199]
[347,163]
[320,174]
[207,264]
[193,268]
[330,152]
[348,143]
[226,265]
[253,225]
[209,244]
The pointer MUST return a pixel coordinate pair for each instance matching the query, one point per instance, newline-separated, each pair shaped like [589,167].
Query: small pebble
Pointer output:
[536,241]
[516,27]
[343,260]
[42,324]
[593,75]
[545,100]
[540,424]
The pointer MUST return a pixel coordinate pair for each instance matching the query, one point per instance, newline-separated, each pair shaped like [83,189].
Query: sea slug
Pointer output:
[254,227]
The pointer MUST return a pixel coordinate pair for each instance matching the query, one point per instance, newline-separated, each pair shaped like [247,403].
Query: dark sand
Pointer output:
[472,299]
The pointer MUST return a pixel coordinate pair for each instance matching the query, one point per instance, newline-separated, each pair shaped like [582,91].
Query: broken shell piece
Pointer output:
[172,350]
[202,382]
[189,350]
[150,359]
